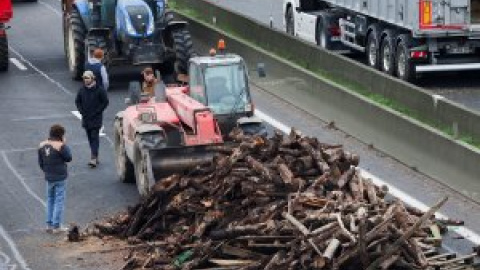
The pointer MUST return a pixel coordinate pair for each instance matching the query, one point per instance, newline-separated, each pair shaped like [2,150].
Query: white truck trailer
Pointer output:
[399,37]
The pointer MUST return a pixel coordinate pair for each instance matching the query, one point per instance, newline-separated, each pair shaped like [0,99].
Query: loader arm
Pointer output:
[196,116]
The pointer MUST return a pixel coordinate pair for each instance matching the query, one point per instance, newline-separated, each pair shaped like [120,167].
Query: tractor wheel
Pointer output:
[125,170]
[76,45]
[143,168]
[183,47]
[255,129]
[3,53]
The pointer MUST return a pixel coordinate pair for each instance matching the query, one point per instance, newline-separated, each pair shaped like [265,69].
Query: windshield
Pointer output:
[226,88]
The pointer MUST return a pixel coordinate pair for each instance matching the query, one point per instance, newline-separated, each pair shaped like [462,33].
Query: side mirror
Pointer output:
[262,73]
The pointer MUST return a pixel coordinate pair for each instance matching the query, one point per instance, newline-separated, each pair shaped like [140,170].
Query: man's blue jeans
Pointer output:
[55,203]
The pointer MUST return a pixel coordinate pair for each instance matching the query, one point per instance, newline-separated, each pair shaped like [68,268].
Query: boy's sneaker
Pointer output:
[60,230]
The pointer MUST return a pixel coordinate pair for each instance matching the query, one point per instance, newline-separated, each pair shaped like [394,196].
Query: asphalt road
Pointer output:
[42,93]
[462,87]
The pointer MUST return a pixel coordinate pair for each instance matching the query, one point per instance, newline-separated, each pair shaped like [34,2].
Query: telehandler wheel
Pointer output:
[76,45]
[255,129]
[143,168]
[3,53]
[183,47]
[125,170]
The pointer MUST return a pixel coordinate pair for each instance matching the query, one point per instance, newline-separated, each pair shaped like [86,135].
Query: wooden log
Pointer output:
[302,229]
[346,177]
[259,168]
[332,247]
[394,247]
[285,173]
[389,262]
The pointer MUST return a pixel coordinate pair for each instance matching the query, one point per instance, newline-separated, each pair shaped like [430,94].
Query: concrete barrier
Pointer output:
[417,102]
[413,143]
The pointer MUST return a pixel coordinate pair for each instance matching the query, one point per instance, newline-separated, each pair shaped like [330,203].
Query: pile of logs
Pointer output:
[286,202]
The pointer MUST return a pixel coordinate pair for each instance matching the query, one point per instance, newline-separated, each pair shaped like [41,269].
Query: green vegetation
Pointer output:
[379,99]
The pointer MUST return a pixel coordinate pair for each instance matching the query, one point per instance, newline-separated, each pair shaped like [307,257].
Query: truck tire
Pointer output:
[143,168]
[76,45]
[290,22]
[325,22]
[3,53]
[183,47]
[125,170]
[372,48]
[387,52]
[405,68]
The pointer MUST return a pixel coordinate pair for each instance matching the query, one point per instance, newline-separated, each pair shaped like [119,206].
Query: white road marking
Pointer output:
[18,257]
[22,180]
[50,8]
[59,85]
[461,230]
[102,129]
[44,117]
[18,64]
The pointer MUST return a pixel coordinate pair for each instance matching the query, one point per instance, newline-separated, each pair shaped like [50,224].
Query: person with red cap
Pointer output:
[95,65]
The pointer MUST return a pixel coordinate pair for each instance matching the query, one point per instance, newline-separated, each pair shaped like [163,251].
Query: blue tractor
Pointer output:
[132,32]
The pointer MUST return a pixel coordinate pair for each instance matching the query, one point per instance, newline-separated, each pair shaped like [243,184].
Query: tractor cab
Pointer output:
[220,82]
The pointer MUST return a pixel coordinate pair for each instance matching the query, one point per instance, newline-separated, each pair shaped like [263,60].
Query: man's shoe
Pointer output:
[93,163]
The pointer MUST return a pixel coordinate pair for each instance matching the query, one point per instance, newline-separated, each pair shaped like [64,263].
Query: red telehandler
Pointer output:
[6,14]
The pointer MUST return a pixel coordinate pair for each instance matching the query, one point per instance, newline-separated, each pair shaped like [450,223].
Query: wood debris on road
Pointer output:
[285,202]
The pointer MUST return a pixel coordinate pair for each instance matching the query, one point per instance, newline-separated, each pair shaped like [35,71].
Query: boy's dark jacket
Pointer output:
[52,158]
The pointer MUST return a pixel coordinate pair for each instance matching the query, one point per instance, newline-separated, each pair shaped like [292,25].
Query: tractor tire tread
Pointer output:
[79,33]
[183,46]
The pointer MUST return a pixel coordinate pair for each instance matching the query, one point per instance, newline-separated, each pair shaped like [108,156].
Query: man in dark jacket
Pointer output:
[91,101]
[53,155]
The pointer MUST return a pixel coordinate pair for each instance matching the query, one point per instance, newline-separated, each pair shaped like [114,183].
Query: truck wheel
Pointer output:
[183,47]
[323,36]
[372,48]
[387,52]
[405,68]
[125,170]
[3,53]
[143,168]
[76,45]
[290,22]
